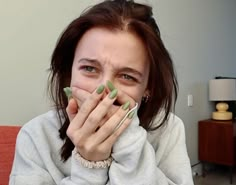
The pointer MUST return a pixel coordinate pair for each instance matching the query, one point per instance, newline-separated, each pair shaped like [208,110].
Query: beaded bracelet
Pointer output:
[92,164]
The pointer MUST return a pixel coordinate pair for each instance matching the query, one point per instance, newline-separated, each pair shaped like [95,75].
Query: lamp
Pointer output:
[222,90]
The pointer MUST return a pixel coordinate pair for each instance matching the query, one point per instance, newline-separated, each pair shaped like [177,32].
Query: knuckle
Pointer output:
[107,128]
[106,104]
[69,132]
[90,148]
[92,99]
[84,110]
[92,119]
[76,137]
[80,143]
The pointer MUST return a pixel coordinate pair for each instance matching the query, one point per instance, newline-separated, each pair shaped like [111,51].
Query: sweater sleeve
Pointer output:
[34,163]
[83,176]
[28,167]
[137,162]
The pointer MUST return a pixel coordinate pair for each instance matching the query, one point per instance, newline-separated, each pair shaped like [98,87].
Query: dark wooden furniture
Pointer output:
[217,143]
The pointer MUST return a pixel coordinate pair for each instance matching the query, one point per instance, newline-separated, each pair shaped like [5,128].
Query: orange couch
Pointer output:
[7,149]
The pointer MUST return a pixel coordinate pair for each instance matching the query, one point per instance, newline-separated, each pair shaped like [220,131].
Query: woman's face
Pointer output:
[117,56]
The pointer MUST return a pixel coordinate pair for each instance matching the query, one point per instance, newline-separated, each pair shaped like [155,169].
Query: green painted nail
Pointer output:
[113,93]
[68,92]
[125,106]
[131,114]
[110,86]
[100,89]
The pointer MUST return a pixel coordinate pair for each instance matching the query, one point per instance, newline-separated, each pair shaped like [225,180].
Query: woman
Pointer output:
[116,127]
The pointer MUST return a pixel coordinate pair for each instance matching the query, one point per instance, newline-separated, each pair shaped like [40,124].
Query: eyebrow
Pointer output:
[130,70]
[123,69]
[89,60]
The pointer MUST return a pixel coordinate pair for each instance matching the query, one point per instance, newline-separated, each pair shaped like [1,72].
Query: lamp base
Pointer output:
[222,115]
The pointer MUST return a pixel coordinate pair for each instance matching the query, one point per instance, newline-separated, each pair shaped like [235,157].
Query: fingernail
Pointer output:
[68,92]
[110,85]
[131,114]
[100,89]
[125,106]
[113,94]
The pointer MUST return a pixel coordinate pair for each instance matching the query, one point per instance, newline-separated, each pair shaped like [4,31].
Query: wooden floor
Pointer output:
[218,176]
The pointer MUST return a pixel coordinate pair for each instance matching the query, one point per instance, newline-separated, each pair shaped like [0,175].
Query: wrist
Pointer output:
[92,164]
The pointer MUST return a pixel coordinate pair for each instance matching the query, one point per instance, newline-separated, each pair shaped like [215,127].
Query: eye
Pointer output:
[90,69]
[128,77]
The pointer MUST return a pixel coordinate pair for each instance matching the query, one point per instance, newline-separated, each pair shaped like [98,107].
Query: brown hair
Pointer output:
[116,15]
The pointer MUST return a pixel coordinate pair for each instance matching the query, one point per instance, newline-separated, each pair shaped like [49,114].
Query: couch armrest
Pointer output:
[7,149]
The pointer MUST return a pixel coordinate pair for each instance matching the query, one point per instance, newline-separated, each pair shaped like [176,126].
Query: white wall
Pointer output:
[200,36]
[28,33]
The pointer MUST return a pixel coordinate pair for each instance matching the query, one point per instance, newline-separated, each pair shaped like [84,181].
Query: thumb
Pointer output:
[72,108]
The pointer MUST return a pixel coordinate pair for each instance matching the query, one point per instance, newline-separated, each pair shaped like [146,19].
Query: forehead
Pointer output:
[112,45]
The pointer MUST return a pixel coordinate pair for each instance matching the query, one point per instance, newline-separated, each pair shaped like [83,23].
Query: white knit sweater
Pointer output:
[140,158]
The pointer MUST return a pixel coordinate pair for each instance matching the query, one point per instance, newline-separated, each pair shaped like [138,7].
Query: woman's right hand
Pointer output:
[93,121]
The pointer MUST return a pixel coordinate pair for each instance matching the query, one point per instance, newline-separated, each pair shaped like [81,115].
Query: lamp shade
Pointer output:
[222,90]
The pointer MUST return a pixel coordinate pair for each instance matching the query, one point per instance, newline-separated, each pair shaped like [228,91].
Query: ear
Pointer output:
[146,96]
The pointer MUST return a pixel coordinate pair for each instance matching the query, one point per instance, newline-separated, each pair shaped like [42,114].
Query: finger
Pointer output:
[122,125]
[108,128]
[80,95]
[102,122]
[122,97]
[98,114]
[72,109]
[67,91]
[85,109]
[110,140]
